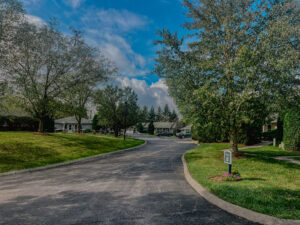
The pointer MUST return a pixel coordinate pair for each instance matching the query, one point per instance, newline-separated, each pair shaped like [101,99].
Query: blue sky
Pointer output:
[124,30]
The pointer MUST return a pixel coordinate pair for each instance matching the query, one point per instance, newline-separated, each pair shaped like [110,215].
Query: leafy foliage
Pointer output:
[238,61]
[291,131]
[117,108]
[14,123]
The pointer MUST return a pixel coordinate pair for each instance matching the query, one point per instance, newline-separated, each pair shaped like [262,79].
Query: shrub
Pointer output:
[291,131]
[14,123]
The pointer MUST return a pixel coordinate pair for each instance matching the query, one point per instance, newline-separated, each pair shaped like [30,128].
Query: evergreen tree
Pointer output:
[152,114]
[144,114]
[173,116]
[159,115]
[166,113]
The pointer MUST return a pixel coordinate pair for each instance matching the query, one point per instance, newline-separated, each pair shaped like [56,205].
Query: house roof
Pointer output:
[189,127]
[72,120]
[168,125]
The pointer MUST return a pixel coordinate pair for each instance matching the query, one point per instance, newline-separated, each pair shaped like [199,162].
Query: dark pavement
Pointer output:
[143,186]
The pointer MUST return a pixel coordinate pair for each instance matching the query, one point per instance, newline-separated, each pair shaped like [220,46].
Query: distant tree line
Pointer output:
[159,115]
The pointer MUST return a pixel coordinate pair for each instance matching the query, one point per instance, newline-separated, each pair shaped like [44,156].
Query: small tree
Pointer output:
[114,104]
[291,131]
[151,128]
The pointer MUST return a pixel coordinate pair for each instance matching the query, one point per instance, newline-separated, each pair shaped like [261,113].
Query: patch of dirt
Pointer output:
[221,179]
[217,179]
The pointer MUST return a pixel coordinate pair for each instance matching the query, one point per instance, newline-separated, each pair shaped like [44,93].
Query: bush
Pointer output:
[14,123]
[291,131]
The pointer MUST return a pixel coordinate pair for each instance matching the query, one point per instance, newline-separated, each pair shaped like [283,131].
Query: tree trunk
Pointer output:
[116,131]
[79,125]
[124,133]
[42,125]
[234,141]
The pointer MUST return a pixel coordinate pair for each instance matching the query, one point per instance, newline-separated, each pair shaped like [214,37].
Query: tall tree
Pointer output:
[40,65]
[159,115]
[94,69]
[166,113]
[152,114]
[242,51]
[173,116]
[144,114]
[11,15]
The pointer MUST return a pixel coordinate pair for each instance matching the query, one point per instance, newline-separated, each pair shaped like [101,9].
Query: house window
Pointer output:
[66,126]
[70,127]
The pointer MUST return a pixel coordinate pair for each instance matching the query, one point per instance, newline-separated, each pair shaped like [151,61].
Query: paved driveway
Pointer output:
[144,186]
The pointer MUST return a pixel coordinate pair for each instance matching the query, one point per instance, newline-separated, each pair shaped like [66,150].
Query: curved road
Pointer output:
[143,186]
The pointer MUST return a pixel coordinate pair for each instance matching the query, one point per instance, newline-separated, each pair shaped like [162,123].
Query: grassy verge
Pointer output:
[270,151]
[23,150]
[268,186]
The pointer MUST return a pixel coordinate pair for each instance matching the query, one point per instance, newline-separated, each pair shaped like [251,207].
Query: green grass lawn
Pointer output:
[23,150]
[270,151]
[268,185]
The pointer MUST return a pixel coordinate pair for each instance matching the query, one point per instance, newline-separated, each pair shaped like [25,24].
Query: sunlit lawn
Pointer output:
[268,185]
[23,150]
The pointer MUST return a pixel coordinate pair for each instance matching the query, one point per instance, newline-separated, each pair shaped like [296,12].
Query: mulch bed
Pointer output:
[221,179]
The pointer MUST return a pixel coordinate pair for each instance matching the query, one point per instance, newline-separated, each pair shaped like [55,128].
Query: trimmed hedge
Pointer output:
[14,123]
[291,131]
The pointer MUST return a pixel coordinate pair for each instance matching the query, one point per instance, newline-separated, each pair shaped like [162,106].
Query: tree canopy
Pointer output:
[238,54]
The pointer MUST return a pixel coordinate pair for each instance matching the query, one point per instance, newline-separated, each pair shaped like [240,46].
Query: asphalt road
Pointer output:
[144,186]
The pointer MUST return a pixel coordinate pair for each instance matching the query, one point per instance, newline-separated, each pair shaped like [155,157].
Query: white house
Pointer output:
[161,127]
[70,124]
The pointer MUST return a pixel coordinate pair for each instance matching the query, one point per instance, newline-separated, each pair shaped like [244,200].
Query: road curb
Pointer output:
[73,162]
[231,208]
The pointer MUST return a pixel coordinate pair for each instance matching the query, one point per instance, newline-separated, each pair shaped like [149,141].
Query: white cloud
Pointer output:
[121,20]
[155,94]
[108,29]
[74,3]
[35,20]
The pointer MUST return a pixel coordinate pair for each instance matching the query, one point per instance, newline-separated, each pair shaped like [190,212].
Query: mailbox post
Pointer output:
[228,159]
